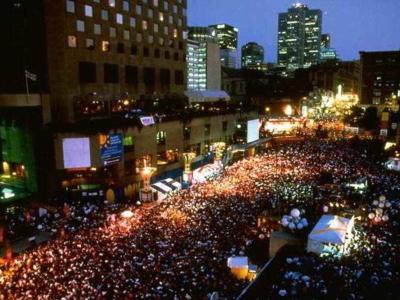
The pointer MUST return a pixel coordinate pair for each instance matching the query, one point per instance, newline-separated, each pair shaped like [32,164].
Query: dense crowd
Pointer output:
[178,249]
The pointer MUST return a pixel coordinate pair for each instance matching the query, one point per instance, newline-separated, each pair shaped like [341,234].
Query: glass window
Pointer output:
[132,22]
[161,17]
[104,15]
[144,25]
[119,19]
[72,42]
[138,37]
[155,27]
[97,29]
[125,6]
[88,11]
[80,26]
[113,32]
[150,13]
[127,35]
[111,3]
[90,44]
[150,39]
[138,9]
[175,33]
[155,3]
[161,137]
[105,46]
[70,6]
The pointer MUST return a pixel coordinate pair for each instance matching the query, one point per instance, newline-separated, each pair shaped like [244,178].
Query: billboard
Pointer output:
[76,153]
[111,148]
[253,130]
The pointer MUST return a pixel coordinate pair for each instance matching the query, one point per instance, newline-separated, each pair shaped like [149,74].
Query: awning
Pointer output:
[166,186]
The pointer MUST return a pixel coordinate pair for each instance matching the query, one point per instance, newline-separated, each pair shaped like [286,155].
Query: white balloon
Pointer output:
[371,216]
[295,213]
[385,218]
[375,202]
[379,211]
[388,204]
[381,205]
[292,226]
[382,198]
[325,209]
[299,226]
[285,222]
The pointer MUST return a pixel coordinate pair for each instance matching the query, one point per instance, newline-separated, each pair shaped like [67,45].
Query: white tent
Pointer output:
[164,187]
[330,231]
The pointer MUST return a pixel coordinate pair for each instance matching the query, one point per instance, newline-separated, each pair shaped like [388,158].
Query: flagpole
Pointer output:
[27,86]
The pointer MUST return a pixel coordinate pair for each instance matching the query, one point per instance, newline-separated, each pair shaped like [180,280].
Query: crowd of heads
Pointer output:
[178,249]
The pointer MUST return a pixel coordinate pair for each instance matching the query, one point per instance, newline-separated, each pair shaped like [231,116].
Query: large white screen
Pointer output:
[76,153]
[253,131]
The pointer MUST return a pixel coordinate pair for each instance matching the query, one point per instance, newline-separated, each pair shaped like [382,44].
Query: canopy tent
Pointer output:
[206,96]
[203,173]
[239,266]
[164,187]
[330,230]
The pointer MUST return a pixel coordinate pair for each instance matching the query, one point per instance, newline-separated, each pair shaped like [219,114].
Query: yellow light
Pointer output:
[288,110]
[126,102]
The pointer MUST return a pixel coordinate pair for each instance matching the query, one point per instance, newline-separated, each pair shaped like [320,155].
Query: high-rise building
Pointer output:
[228,43]
[203,59]
[88,54]
[299,37]
[252,55]
[380,76]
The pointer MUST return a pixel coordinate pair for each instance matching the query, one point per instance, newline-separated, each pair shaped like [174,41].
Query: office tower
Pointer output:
[203,59]
[228,43]
[299,37]
[93,53]
[252,55]
[380,76]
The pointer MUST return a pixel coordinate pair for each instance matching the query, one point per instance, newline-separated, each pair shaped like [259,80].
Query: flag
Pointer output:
[30,75]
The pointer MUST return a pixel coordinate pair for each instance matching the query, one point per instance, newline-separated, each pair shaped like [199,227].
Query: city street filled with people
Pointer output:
[178,249]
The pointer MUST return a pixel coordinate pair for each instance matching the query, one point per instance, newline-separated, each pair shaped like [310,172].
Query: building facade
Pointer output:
[93,54]
[203,60]
[380,77]
[299,37]
[228,43]
[252,55]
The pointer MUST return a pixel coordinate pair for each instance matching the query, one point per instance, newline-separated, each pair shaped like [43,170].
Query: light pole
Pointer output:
[188,173]
[146,195]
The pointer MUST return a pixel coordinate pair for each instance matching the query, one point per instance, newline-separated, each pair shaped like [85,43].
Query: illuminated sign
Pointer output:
[253,130]
[147,121]
[111,148]
[76,153]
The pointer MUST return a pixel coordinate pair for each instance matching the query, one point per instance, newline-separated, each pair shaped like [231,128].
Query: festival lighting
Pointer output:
[127,214]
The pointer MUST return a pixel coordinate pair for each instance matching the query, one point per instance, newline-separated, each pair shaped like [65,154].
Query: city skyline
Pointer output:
[355,32]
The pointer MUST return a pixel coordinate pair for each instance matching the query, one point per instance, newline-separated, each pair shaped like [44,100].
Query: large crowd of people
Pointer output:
[178,249]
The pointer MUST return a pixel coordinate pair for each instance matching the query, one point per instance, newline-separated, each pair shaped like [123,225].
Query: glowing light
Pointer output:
[127,214]
[288,110]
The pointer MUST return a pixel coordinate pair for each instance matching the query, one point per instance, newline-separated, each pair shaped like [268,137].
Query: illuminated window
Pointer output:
[97,29]
[150,13]
[70,6]
[119,19]
[105,46]
[111,3]
[72,42]
[175,33]
[127,35]
[104,15]
[155,28]
[88,11]
[161,17]
[125,5]
[138,9]
[113,32]
[132,22]
[80,26]
[155,3]
[144,25]
[90,44]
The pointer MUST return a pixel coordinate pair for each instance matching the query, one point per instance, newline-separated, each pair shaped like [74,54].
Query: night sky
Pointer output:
[354,25]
